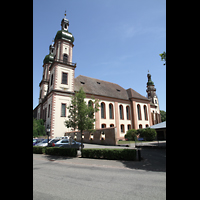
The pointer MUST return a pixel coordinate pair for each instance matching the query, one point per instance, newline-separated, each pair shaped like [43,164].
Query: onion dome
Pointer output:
[150,82]
[64,33]
[48,58]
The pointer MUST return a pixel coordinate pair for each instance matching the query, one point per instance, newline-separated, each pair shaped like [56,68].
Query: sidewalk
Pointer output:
[153,160]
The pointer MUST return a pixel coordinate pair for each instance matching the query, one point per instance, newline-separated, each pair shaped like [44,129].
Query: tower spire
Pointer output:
[65,14]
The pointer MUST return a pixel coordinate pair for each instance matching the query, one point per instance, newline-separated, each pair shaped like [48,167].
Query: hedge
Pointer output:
[72,152]
[110,154]
[60,151]
[38,149]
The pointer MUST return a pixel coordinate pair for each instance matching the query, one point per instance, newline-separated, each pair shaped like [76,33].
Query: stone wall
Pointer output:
[105,136]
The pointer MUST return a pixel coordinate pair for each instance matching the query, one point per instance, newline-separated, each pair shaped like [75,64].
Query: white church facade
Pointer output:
[121,108]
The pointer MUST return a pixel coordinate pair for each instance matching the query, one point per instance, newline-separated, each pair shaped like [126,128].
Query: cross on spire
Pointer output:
[65,14]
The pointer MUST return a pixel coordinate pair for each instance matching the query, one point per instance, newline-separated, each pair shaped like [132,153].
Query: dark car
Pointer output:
[66,144]
[55,140]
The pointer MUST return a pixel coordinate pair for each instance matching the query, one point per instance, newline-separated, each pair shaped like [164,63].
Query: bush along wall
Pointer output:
[58,151]
[110,154]
[38,149]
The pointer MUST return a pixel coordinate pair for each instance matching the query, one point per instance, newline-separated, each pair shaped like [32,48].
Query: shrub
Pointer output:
[59,151]
[111,154]
[148,133]
[38,149]
[71,152]
[131,134]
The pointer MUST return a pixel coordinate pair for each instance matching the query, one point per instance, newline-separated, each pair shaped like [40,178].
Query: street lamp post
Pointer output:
[48,131]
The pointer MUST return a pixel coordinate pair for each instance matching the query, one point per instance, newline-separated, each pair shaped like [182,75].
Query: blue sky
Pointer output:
[115,40]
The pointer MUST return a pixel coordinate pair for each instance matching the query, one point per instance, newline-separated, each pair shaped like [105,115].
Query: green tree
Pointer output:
[163,115]
[163,57]
[38,127]
[80,114]
[131,134]
[148,133]
[35,127]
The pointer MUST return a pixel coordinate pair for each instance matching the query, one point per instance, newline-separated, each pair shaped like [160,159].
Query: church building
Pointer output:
[121,108]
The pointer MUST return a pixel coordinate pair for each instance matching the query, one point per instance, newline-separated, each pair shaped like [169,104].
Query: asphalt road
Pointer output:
[81,178]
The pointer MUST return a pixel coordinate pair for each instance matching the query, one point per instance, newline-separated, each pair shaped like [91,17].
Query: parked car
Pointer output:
[66,144]
[36,141]
[43,143]
[55,140]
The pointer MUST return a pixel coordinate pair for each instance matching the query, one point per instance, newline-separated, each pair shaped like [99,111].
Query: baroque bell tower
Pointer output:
[62,68]
[151,94]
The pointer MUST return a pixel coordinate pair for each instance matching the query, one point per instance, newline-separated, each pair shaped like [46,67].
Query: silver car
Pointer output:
[66,144]
[44,143]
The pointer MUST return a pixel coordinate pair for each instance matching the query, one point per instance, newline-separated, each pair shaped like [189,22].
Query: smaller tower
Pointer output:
[45,76]
[151,94]
[151,90]
[51,48]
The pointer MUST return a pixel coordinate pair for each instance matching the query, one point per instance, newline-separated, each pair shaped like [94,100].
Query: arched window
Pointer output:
[103,125]
[111,125]
[139,112]
[103,111]
[121,112]
[145,112]
[52,79]
[90,104]
[122,128]
[65,57]
[127,112]
[140,125]
[49,111]
[129,126]
[111,114]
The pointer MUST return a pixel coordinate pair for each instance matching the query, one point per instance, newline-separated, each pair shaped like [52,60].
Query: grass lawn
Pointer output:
[128,142]
[125,142]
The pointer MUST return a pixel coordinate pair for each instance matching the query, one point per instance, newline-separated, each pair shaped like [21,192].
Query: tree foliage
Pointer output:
[146,133]
[131,134]
[163,57]
[38,128]
[163,115]
[81,115]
